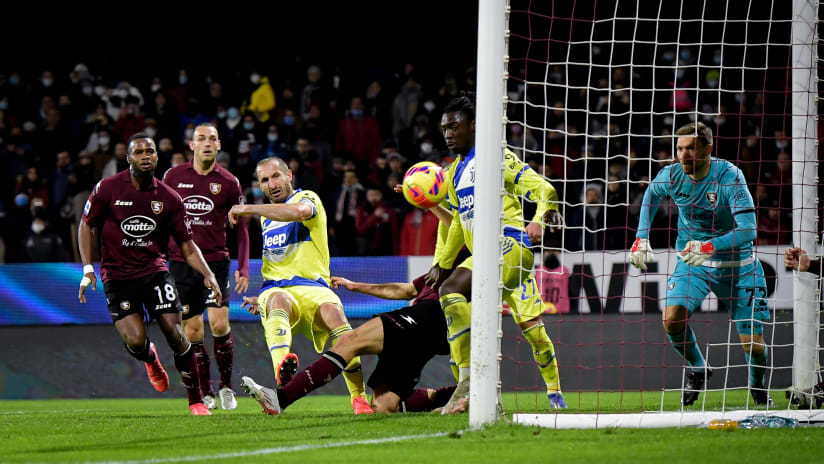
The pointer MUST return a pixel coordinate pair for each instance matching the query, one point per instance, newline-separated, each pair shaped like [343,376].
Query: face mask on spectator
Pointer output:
[103,141]
[182,79]
[254,78]
[87,90]
[37,227]
[187,134]
[272,137]
[426,147]
[289,120]
[47,81]
[151,131]
[155,87]
[257,192]
[99,90]
[356,113]
[248,125]
[232,113]
[221,115]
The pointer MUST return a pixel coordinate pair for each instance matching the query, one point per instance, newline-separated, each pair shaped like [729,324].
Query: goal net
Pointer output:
[591,97]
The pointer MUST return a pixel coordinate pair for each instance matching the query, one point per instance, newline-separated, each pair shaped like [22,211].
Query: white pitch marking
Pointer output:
[281,449]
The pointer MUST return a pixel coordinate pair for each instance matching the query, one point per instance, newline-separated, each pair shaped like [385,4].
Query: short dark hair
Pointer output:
[698,130]
[273,159]
[139,135]
[206,124]
[463,103]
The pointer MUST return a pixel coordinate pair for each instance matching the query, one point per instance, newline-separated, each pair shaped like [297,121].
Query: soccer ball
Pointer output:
[423,185]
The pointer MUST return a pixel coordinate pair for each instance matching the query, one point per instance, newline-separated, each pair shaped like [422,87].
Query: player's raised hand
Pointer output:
[235,213]
[88,279]
[250,303]
[241,283]
[553,218]
[210,282]
[641,254]
[696,252]
[338,282]
[797,259]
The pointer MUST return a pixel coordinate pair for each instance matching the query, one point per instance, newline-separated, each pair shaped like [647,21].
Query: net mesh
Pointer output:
[595,91]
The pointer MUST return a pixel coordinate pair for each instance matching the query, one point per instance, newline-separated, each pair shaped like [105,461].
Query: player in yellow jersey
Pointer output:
[520,291]
[295,294]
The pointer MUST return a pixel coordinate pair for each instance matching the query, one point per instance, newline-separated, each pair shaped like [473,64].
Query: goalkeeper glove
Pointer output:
[696,252]
[641,254]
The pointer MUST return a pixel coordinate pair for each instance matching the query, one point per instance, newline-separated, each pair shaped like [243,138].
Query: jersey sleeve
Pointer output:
[241,231]
[311,199]
[96,206]
[738,195]
[742,208]
[658,189]
[522,180]
[454,242]
[451,205]
[181,230]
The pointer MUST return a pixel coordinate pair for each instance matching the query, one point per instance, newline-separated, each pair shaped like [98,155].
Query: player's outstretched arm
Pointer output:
[195,259]
[387,291]
[292,212]
[84,242]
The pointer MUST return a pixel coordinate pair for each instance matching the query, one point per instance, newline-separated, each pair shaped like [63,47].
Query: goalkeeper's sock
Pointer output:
[278,335]
[687,346]
[224,357]
[316,375]
[458,316]
[187,367]
[352,374]
[544,353]
[758,367]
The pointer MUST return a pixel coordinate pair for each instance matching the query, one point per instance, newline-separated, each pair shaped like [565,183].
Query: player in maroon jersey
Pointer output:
[135,214]
[209,192]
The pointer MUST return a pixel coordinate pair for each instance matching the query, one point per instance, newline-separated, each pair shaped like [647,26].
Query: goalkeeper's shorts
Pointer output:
[742,290]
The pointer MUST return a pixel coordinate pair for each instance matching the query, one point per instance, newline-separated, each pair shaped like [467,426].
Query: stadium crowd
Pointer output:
[62,130]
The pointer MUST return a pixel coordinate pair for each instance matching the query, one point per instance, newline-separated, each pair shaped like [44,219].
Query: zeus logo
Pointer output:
[467,201]
[275,240]
[408,319]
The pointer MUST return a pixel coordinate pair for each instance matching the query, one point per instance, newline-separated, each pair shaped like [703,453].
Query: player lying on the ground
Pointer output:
[716,230]
[404,340]
[295,294]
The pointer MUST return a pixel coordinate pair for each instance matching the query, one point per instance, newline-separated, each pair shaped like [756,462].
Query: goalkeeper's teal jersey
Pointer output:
[519,180]
[707,208]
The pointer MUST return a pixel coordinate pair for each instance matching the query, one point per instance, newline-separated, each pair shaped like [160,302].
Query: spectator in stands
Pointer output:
[345,202]
[418,233]
[118,163]
[619,237]
[585,228]
[303,176]
[405,105]
[272,146]
[313,92]
[262,100]
[358,133]
[376,225]
[44,245]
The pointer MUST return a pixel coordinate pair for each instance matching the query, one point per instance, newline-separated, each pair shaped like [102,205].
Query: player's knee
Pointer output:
[193,334]
[350,343]
[219,328]
[135,346]
[674,326]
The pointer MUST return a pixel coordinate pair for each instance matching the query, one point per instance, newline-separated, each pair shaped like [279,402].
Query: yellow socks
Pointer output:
[458,321]
[544,353]
[353,375]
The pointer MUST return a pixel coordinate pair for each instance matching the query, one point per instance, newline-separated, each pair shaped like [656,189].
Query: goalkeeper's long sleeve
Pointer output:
[656,191]
[744,231]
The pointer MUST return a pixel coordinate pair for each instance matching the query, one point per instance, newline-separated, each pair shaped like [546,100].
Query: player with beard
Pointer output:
[135,214]
[208,192]
[295,294]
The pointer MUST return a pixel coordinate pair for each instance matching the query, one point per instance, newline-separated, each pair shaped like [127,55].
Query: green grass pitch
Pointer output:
[322,429]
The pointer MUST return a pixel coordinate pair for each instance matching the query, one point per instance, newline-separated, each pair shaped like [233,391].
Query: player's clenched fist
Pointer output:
[641,254]
[696,252]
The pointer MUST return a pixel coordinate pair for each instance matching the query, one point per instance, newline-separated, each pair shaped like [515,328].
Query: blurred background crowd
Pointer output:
[62,130]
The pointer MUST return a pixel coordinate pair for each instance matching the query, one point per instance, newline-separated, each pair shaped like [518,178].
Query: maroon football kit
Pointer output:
[207,200]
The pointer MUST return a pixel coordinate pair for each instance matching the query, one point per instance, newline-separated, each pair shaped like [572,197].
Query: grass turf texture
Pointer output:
[164,431]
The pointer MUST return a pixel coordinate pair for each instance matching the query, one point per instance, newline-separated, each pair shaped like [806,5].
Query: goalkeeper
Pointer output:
[716,229]
[520,290]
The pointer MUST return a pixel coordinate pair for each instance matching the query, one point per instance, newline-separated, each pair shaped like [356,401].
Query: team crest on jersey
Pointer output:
[157,207]
[185,309]
[712,197]
[214,188]
[125,305]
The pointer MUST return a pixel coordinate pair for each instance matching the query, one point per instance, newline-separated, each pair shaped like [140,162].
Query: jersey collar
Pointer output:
[293,194]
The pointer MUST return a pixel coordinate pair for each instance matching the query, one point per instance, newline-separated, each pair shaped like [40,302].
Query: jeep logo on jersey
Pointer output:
[467,202]
[138,226]
[214,188]
[274,240]
[198,205]
[712,197]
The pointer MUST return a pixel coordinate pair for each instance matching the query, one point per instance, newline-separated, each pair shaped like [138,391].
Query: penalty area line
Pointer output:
[277,450]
